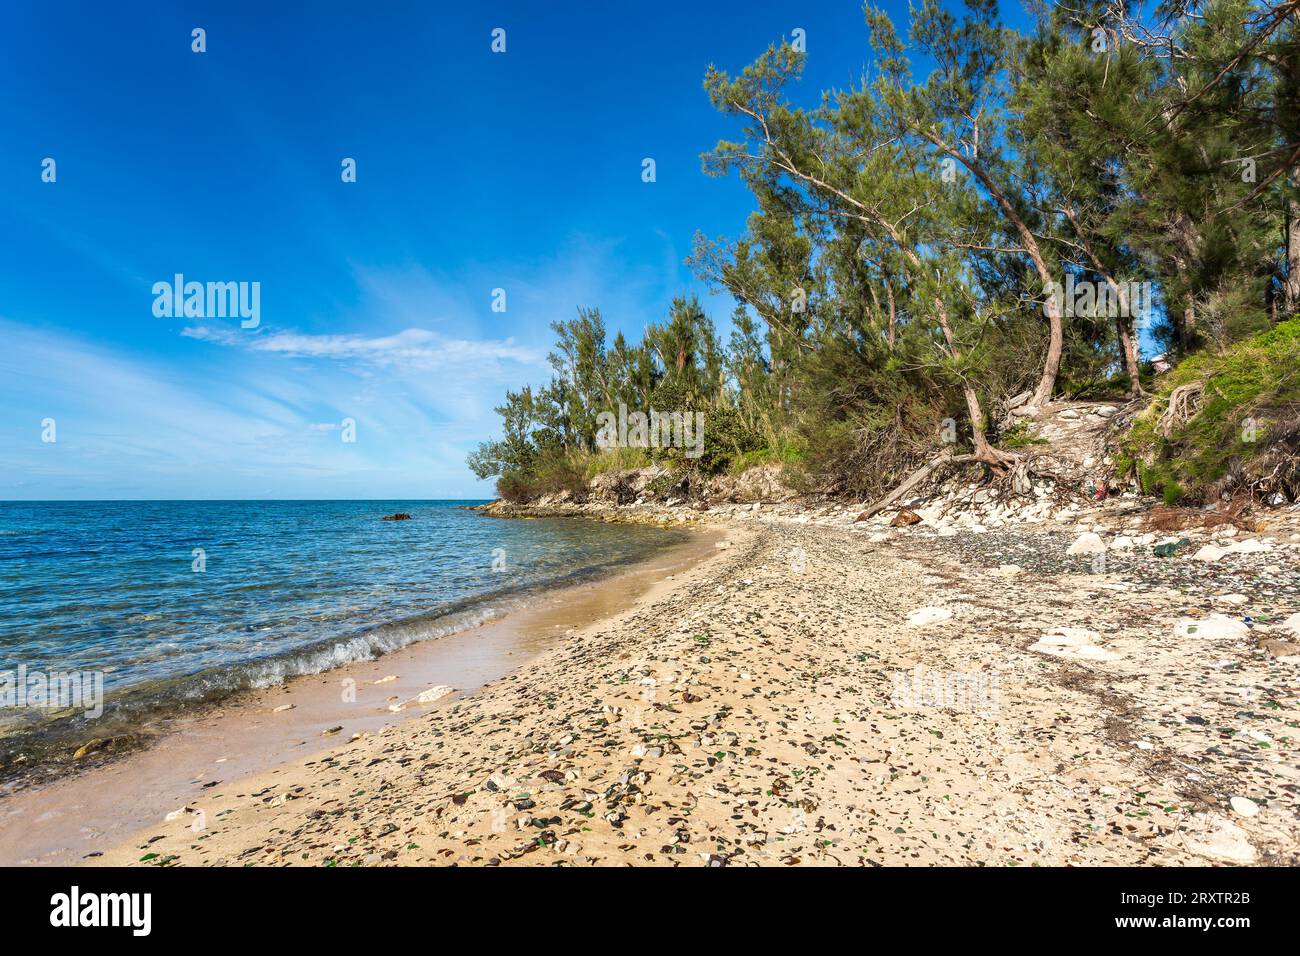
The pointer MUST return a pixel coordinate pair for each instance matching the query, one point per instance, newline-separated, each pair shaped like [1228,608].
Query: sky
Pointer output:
[475,171]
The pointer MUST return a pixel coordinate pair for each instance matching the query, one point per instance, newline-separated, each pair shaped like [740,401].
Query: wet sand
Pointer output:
[72,819]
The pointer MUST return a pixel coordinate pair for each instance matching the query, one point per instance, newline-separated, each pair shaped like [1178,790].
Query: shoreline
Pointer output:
[777,705]
[824,691]
[85,811]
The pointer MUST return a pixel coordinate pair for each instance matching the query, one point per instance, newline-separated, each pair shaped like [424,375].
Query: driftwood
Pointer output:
[937,463]
[1020,468]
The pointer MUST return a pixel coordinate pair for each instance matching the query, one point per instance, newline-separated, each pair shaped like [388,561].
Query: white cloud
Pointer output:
[410,348]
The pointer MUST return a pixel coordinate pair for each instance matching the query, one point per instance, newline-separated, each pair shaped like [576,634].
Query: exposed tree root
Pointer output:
[1184,403]
[1014,470]
[1001,462]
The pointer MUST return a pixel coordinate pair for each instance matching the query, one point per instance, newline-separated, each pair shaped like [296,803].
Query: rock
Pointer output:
[1210,552]
[434,693]
[1123,543]
[1249,546]
[905,518]
[1212,627]
[1292,625]
[1009,570]
[1074,643]
[1087,543]
[1244,807]
[1282,649]
[928,615]
[1236,600]
[283,707]
[1219,838]
[399,516]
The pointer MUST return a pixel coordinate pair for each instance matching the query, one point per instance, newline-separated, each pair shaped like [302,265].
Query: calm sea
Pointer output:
[175,602]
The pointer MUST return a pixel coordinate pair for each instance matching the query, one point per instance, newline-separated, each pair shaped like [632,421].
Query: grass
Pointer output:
[1252,393]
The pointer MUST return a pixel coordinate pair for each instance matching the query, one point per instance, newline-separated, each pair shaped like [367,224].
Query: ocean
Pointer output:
[173,603]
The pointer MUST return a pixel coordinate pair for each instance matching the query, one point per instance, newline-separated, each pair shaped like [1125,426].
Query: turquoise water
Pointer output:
[281,588]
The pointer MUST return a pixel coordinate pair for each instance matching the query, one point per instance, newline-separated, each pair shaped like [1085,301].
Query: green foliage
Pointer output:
[891,285]
[1250,400]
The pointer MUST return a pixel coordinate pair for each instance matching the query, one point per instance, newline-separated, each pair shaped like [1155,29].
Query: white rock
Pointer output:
[1292,625]
[437,692]
[1122,543]
[1074,643]
[928,615]
[1249,546]
[1088,543]
[1214,626]
[1009,570]
[1220,839]
[1210,552]
[1234,599]
[1246,808]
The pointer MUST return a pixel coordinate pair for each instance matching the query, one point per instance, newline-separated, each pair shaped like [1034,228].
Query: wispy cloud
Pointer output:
[414,348]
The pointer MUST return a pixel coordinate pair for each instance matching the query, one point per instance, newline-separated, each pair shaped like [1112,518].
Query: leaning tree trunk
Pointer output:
[1291,287]
[1055,338]
[1128,348]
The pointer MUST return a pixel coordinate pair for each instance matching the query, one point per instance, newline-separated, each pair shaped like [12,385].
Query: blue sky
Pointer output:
[475,171]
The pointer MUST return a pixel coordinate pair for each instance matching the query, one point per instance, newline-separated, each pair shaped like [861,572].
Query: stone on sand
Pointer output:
[928,615]
[1214,626]
[1073,643]
[1087,543]
[1292,625]
[1244,807]
[434,693]
[1219,838]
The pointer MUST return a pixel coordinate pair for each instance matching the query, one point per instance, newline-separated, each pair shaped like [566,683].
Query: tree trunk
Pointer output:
[1291,287]
[979,441]
[1055,343]
[893,313]
[1128,348]
[1055,338]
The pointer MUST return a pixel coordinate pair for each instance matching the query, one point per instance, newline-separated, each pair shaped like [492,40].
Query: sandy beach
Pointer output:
[66,821]
[812,692]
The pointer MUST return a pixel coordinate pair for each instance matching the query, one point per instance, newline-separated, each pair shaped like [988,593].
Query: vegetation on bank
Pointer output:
[898,285]
[1224,421]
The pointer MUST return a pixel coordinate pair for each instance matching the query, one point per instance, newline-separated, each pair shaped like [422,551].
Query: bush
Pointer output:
[1239,428]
